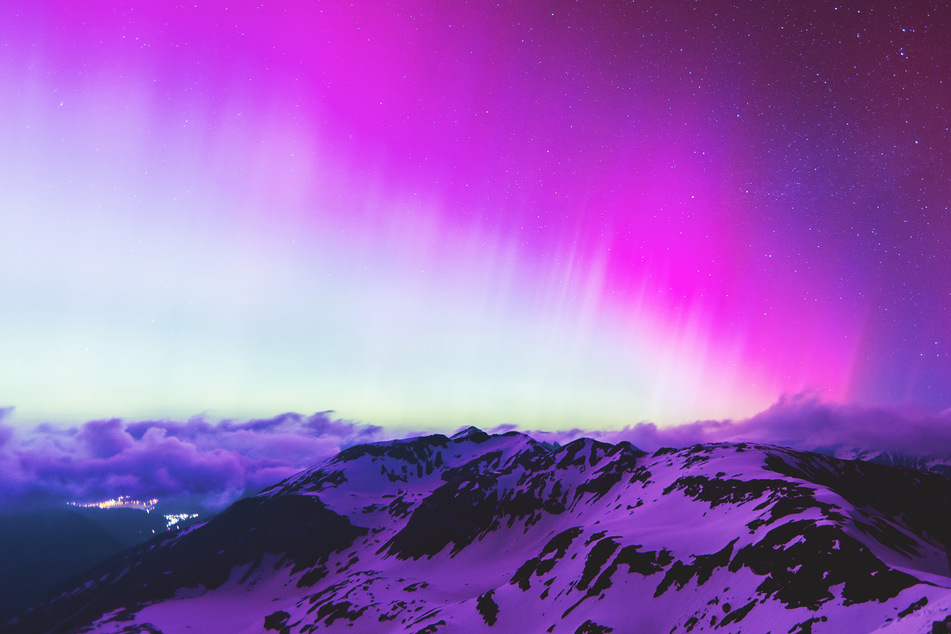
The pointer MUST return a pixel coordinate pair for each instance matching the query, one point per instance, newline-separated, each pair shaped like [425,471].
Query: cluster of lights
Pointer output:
[121,502]
[127,502]
[172,520]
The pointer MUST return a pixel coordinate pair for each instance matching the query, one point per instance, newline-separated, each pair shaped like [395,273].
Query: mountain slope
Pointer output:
[504,533]
[43,549]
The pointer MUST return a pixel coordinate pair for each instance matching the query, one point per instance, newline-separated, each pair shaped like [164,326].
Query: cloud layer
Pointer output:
[214,463]
[801,421]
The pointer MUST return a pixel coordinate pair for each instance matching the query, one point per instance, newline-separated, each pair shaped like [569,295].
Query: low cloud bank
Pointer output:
[213,463]
[216,463]
[801,421]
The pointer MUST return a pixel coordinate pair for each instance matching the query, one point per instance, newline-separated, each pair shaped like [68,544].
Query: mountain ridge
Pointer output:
[480,532]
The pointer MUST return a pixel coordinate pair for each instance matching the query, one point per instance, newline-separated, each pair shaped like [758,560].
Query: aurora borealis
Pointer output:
[450,213]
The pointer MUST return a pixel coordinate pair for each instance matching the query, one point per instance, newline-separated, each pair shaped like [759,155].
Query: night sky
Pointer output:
[548,214]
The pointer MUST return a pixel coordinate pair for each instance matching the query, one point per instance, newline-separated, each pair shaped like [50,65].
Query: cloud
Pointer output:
[104,438]
[214,463]
[805,422]
[801,421]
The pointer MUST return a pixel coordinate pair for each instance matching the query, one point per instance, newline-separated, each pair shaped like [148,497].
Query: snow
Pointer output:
[369,589]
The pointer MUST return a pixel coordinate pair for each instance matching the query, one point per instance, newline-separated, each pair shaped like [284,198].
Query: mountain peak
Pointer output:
[471,433]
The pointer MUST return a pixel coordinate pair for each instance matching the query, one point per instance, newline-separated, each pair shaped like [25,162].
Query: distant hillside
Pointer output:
[42,549]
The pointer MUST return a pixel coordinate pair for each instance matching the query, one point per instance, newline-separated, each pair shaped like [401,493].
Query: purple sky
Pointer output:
[428,214]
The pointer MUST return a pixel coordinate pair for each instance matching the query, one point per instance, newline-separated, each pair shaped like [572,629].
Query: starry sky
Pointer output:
[425,213]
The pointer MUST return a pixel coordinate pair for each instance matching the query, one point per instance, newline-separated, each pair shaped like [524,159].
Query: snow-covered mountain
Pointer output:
[479,533]
[926,463]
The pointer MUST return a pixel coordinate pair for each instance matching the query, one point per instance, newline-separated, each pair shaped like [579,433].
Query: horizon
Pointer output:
[214,463]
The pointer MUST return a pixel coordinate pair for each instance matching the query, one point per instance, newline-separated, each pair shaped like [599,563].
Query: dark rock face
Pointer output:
[276,621]
[554,550]
[802,573]
[455,513]
[717,491]
[909,497]
[701,568]
[472,503]
[488,608]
